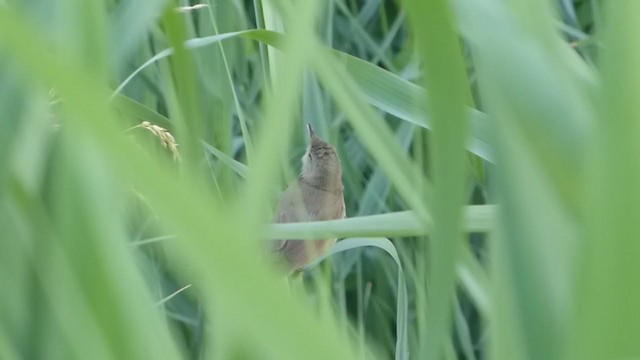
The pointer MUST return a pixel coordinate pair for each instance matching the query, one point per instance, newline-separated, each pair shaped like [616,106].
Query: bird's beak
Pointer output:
[310,129]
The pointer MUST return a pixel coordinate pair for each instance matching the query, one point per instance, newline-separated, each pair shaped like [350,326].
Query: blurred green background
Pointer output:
[489,151]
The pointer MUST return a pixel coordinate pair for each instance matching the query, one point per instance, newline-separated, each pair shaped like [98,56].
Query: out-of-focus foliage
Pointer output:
[488,150]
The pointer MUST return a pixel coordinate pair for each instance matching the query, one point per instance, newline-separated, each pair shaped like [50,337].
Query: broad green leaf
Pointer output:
[386,91]
[139,111]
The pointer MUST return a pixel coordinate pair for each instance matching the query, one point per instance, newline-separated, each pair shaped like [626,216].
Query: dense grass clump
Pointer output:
[489,164]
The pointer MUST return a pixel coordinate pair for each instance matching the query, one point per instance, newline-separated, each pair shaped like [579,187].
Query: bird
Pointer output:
[316,195]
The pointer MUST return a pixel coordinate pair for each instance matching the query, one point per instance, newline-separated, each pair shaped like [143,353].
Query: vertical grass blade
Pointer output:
[448,93]
[608,321]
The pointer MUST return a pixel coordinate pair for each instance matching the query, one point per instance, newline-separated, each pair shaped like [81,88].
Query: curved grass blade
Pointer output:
[381,88]
[402,309]
[139,111]
[240,168]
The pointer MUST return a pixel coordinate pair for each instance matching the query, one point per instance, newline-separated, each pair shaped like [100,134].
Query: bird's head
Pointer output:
[321,164]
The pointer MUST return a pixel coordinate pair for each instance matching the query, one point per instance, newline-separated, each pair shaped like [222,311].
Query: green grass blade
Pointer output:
[238,167]
[380,88]
[402,321]
[170,198]
[447,95]
[609,268]
[477,218]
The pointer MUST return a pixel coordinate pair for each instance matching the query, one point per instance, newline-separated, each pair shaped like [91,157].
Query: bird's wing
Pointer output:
[290,209]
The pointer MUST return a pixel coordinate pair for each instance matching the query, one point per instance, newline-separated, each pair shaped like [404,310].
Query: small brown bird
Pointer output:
[316,195]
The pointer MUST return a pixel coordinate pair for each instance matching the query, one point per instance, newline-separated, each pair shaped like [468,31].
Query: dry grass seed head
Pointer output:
[167,140]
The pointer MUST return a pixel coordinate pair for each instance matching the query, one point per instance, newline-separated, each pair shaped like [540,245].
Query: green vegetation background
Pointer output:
[490,165]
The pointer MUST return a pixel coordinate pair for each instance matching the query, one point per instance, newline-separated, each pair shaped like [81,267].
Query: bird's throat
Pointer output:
[325,182]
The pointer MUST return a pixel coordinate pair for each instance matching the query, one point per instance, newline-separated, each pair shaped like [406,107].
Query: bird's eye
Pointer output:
[309,156]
